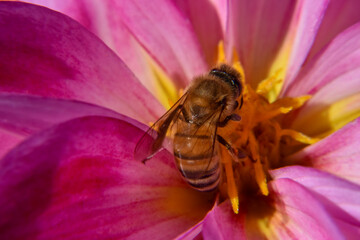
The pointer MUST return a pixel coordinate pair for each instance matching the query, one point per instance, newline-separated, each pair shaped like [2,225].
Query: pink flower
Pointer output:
[72,109]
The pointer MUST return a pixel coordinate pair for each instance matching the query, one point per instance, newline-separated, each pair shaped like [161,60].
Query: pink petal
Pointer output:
[331,77]
[206,19]
[339,58]
[8,140]
[103,19]
[300,215]
[85,12]
[222,223]
[258,28]
[62,59]
[79,181]
[27,115]
[192,233]
[340,197]
[23,115]
[306,20]
[167,35]
[350,231]
[337,153]
[339,15]
[222,7]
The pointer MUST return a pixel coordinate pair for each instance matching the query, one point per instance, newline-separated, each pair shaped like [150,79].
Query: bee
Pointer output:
[192,122]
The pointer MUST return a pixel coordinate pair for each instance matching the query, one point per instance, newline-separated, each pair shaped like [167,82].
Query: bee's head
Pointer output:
[230,76]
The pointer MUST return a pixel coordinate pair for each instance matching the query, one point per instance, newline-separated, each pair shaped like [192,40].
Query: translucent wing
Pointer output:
[151,142]
[195,148]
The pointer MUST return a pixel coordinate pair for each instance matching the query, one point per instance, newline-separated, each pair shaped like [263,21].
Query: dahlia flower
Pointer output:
[80,82]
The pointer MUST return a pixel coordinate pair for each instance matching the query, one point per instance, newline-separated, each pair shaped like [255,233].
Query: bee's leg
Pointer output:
[185,115]
[237,154]
[237,103]
[241,102]
[233,117]
[221,140]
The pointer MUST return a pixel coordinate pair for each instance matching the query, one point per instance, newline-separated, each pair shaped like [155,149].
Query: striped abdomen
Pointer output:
[197,158]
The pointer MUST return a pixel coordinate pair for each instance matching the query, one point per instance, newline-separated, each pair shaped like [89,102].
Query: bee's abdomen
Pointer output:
[198,160]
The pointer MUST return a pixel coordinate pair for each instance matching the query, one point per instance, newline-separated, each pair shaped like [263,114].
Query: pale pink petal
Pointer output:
[206,20]
[257,30]
[306,20]
[60,58]
[222,223]
[94,15]
[338,153]
[88,13]
[339,58]
[79,181]
[339,15]
[299,214]
[340,197]
[167,35]
[222,7]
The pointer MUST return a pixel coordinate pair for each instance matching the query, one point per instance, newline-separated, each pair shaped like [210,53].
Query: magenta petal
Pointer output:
[60,58]
[27,115]
[300,215]
[23,115]
[167,35]
[222,223]
[338,153]
[340,197]
[192,233]
[103,19]
[8,140]
[79,181]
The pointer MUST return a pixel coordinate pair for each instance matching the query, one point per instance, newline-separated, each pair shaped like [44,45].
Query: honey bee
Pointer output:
[193,122]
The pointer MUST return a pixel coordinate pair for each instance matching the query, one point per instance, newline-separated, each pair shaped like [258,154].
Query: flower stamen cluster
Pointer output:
[258,139]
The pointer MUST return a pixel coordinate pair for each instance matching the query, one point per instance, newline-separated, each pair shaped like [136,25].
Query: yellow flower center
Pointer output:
[258,139]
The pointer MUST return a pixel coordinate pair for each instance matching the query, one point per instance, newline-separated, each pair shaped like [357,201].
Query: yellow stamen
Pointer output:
[231,185]
[300,137]
[288,102]
[267,86]
[259,171]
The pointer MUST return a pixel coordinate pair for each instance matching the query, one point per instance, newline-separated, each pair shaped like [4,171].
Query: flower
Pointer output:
[69,107]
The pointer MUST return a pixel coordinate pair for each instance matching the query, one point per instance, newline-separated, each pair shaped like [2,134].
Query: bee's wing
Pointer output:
[200,147]
[151,142]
